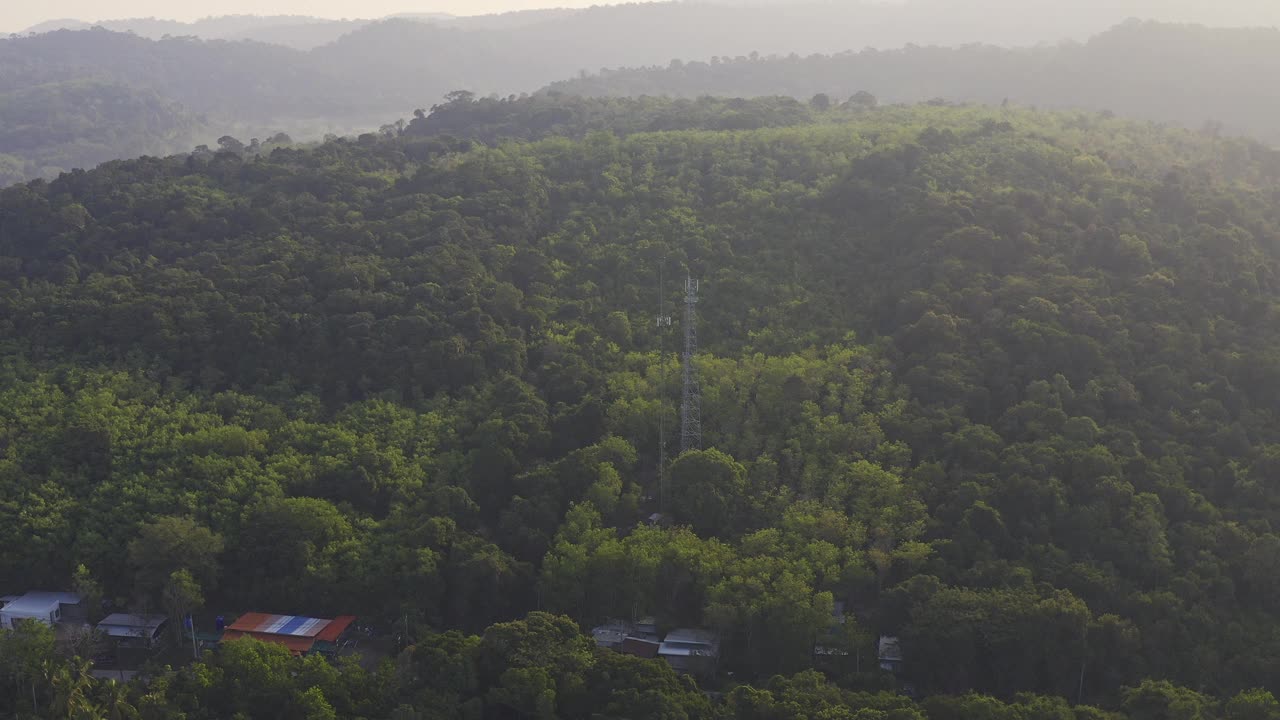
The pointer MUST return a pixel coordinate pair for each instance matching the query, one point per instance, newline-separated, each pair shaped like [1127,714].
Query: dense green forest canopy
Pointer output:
[106,95]
[1004,382]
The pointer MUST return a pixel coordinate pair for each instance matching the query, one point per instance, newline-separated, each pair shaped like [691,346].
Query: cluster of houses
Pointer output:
[301,635]
[688,650]
[828,645]
[697,652]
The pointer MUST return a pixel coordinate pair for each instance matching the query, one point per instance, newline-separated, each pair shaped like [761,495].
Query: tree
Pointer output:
[90,592]
[863,100]
[182,597]
[25,653]
[708,489]
[113,698]
[170,544]
[72,691]
[1162,700]
[1253,705]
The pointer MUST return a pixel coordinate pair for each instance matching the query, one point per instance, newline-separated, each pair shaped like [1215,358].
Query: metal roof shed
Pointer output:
[45,607]
[128,629]
[690,650]
[299,634]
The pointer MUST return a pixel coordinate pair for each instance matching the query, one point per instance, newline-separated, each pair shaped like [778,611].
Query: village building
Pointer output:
[133,631]
[301,635]
[890,653]
[691,651]
[50,608]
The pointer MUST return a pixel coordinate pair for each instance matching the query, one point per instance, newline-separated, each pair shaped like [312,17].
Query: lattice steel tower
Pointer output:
[691,400]
[664,322]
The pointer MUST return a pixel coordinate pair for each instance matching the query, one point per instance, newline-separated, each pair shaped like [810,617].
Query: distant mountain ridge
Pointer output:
[1186,75]
[300,32]
[375,73]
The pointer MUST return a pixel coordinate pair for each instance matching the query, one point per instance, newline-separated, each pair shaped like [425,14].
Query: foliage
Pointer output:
[1002,382]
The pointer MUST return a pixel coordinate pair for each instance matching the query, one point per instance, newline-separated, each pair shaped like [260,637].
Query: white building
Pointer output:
[47,607]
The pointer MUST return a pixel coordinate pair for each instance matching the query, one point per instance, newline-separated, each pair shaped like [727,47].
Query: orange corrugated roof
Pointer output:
[334,630]
[248,622]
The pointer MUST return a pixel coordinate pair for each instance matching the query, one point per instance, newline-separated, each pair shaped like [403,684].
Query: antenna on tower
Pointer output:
[691,399]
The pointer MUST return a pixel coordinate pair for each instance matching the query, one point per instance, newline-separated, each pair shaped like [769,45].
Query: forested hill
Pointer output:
[184,91]
[1183,74]
[1004,383]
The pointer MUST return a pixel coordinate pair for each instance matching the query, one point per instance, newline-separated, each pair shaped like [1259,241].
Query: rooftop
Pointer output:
[690,642]
[641,647]
[290,625]
[125,625]
[40,603]
[611,633]
[692,636]
[297,633]
[890,648]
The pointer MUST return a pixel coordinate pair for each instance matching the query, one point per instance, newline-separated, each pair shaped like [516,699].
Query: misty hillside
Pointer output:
[720,27]
[295,31]
[384,70]
[1182,74]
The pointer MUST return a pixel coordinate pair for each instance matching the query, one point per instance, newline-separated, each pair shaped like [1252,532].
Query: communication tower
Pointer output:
[691,399]
[663,322]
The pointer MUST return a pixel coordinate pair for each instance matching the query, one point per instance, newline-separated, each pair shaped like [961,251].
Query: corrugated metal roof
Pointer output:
[40,603]
[692,636]
[124,625]
[284,625]
[641,647]
[126,620]
[685,642]
[335,628]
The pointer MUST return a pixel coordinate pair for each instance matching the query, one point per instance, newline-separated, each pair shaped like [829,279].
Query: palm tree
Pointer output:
[71,684]
[115,702]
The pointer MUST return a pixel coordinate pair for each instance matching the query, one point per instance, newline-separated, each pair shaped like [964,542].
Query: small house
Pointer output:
[890,653]
[691,651]
[611,634]
[133,631]
[641,647]
[50,608]
[646,628]
[638,638]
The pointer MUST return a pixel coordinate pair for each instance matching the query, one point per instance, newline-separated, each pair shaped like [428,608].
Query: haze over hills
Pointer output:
[768,26]
[1182,74]
[374,73]
[295,31]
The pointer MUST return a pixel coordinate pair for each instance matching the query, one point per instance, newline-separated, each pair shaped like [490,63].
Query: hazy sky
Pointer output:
[18,15]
